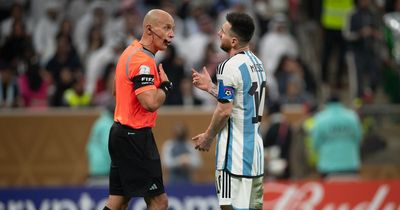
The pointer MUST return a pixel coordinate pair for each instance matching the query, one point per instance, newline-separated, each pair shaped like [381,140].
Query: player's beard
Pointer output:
[225,47]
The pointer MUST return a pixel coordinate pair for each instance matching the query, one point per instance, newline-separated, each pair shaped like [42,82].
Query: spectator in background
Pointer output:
[77,8]
[96,16]
[276,43]
[128,24]
[76,95]
[336,138]
[333,19]
[97,147]
[180,157]
[296,83]
[18,48]
[34,86]
[9,92]
[97,62]
[95,41]
[17,14]
[46,31]
[363,34]
[391,74]
[174,66]
[277,143]
[105,87]
[64,67]
[192,49]
[295,92]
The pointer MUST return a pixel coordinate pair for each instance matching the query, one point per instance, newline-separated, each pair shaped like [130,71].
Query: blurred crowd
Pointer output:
[63,53]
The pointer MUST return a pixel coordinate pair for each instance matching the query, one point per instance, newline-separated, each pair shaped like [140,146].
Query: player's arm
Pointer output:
[151,98]
[219,119]
[218,122]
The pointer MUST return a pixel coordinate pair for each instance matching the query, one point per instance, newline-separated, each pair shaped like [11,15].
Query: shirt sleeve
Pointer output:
[143,77]
[227,83]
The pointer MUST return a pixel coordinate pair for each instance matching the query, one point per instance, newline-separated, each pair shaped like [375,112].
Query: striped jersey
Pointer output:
[239,149]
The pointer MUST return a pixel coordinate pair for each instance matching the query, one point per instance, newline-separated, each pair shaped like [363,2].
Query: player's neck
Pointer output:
[238,50]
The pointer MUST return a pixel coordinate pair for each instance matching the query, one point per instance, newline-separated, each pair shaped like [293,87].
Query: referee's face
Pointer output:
[225,37]
[164,31]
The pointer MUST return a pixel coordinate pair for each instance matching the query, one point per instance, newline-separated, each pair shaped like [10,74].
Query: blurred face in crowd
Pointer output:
[64,45]
[364,3]
[52,13]
[18,29]
[397,6]
[17,11]
[99,16]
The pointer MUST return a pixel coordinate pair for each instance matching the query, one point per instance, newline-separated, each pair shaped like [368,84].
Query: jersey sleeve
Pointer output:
[143,75]
[227,82]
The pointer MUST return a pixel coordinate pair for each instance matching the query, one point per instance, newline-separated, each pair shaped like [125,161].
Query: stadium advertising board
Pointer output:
[366,195]
[185,197]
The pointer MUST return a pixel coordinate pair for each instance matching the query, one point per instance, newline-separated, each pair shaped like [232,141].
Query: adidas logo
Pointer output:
[153,187]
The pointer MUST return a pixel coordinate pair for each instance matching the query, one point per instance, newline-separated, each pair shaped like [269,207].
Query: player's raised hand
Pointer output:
[163,75]
[202,80]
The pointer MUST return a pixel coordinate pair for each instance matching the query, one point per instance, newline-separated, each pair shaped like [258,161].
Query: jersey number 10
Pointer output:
[259,99]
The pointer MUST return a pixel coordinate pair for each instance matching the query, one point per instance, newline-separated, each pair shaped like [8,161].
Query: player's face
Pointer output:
[224,36]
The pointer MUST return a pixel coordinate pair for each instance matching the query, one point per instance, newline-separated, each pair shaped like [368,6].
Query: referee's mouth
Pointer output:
[167,42]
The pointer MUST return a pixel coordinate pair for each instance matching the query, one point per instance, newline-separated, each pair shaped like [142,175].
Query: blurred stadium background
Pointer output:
[56,59]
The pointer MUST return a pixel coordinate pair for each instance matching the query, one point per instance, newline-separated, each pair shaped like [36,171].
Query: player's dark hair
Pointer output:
[242,25]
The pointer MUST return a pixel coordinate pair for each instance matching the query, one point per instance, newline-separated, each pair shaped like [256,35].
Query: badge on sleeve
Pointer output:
[143,69]
[225,93]
[143,78]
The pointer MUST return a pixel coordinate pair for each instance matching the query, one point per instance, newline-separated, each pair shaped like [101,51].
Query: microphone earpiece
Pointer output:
[159,36]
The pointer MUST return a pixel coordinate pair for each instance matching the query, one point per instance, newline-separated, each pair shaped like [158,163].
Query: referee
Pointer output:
[140,89]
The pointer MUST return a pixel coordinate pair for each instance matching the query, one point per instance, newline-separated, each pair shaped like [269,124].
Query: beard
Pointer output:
[225,47]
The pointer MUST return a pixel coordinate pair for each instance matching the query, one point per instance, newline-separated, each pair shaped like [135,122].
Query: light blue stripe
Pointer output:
[263,74]
[229,162]
[255,66]
[248,129]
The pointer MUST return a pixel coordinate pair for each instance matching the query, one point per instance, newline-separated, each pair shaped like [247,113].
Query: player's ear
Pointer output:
[234,41]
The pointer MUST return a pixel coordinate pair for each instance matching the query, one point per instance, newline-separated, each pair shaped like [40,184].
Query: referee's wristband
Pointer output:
[166,86]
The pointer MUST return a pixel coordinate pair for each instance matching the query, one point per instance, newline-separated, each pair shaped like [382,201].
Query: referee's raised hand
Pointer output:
[163,75]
